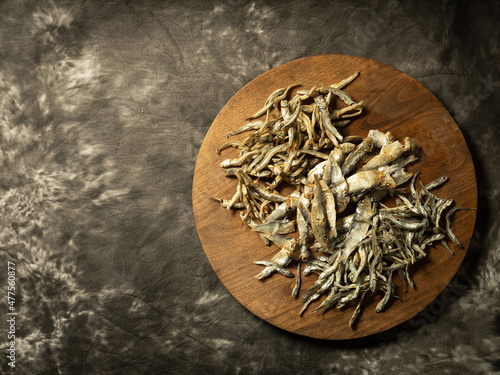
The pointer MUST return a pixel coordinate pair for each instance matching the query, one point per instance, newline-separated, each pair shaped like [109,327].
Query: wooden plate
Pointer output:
[394,101]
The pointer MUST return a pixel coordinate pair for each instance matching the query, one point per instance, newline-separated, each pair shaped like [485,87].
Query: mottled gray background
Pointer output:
[103,108]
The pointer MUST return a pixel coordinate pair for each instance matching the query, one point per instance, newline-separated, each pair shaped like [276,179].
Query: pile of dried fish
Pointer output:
[354,254]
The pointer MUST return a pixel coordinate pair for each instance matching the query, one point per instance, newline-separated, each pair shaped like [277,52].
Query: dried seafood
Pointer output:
[354,254]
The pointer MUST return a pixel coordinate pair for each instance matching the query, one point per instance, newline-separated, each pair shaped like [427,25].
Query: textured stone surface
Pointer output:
[103,108]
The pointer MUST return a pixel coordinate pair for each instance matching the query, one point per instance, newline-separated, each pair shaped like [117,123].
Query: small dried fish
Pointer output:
[277,267]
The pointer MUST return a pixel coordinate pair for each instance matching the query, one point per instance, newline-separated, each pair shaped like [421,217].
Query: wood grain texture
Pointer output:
[393,102]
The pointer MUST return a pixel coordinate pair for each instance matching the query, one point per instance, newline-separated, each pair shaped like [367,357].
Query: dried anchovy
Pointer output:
[354,256]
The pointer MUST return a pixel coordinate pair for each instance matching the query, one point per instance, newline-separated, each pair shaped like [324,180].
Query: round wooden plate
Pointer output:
[393,102]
